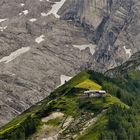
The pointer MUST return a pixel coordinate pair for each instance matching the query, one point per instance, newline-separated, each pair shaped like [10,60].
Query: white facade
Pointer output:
[95,91]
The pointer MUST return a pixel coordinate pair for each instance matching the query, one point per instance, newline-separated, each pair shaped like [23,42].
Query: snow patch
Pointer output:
[3,28]
[64,78]
[55,8]
[39,39]
[33,19]
[83,47]
[25,12]
[128,51]
[43,14]
[2,20]
[22,4]
[14,54]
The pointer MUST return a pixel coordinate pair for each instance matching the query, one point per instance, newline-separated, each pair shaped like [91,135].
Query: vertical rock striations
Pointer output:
[112,24]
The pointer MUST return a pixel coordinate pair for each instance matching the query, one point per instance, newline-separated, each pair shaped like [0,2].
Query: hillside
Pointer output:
[66,114]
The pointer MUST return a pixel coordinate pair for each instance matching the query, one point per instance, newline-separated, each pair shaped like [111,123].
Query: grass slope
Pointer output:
[66,99]
[89,84]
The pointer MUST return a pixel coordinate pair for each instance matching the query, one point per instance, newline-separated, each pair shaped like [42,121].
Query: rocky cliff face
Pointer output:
[42,40]
[112,25]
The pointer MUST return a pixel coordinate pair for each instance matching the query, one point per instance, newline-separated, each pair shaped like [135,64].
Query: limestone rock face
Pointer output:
[93,14]
[89,12]
[112,24]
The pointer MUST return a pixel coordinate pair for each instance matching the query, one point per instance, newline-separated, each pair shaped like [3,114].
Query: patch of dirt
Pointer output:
[54,115]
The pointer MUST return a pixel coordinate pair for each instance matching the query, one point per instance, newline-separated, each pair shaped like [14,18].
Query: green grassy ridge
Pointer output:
[124,84]
[120,123]
[39,110]
[96,105]
[31,119]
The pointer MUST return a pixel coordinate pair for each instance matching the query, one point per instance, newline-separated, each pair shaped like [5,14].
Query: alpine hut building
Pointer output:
[94,93]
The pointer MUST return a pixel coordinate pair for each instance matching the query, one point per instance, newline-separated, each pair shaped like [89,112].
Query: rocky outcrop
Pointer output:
[132,65]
